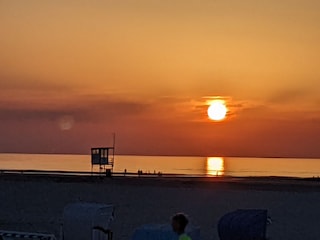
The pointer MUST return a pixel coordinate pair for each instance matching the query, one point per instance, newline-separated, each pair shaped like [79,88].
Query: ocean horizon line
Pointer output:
[168,155]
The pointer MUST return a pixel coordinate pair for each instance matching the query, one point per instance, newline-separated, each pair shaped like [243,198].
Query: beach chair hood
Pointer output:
[243,224]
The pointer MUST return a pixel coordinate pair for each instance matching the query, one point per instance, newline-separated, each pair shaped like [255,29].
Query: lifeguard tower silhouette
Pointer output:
[104,158]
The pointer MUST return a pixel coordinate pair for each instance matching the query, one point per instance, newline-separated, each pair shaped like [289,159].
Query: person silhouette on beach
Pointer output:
[179,223]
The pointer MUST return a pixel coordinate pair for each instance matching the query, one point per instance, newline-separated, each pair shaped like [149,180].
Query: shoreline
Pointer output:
[271,183]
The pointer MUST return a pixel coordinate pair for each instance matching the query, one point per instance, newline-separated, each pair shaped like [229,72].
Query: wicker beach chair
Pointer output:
[87,221]
[243,224]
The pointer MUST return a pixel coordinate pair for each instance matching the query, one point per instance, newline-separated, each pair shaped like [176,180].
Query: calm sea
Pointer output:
[209,166]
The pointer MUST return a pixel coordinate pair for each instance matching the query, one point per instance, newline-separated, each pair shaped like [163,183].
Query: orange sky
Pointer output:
[73,72]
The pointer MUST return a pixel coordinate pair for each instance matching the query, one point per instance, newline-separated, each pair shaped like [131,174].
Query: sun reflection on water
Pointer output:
[215,166]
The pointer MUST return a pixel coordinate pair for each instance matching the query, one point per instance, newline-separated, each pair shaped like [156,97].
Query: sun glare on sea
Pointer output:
[215,166]
[217,110]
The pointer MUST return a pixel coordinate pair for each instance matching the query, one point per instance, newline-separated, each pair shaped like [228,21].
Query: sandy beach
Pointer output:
[30,203]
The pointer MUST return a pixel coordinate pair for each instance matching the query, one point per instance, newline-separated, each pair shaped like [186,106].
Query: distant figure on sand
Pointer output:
[179,223]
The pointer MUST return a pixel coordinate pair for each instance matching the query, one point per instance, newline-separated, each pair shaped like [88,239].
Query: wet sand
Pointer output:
[35,203]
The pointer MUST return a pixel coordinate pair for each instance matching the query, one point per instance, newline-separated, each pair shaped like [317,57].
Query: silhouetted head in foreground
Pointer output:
[179,223]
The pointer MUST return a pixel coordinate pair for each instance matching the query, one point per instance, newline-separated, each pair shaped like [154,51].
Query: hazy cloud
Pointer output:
[26,83]
[291,95]
[102,109]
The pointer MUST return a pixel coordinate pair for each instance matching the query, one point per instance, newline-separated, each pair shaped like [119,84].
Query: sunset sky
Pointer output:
[73,72]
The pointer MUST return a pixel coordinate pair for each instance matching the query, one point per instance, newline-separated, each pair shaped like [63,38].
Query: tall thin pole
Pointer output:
[114,145]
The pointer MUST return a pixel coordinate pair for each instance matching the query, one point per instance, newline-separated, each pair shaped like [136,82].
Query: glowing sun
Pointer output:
[217,110]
